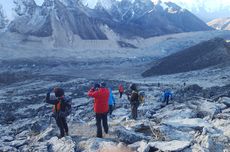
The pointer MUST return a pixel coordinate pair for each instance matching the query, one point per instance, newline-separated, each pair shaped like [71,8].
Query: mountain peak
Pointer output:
[129,19]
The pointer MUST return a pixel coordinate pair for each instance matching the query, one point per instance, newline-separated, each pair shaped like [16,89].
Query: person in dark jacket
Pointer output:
[134,101]
[101,107]
[167,96]
[59,110]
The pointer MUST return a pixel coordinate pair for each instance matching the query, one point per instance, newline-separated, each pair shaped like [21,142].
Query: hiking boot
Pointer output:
[60,136]
[67,134]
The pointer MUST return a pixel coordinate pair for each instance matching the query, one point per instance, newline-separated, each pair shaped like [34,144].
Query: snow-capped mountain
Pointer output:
[3,19]
[140,18]
[220,23]
[54,18]
[206,10]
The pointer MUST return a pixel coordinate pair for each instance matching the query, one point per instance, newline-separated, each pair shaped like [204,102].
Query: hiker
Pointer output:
[111,102]
[60,109]
[167,95]
[134,100]
[121,90]
[101,106]
[158,84]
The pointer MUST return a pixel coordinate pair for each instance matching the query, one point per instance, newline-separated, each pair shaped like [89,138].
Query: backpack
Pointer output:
[141,97]
[68,107]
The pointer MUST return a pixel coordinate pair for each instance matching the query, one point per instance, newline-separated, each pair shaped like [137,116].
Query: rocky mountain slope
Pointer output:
[220,23]
[124,18]
[206,54]
[196,119]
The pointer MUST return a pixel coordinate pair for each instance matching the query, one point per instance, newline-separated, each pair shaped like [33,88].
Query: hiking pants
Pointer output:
[121,93]
[134,111]
[166,99]
[62,125]
[101,118]
[110,109]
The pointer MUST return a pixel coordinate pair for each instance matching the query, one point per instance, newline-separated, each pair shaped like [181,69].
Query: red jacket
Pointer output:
[101,99]
[121,89]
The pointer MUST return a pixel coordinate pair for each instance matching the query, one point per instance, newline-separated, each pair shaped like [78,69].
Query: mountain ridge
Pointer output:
[220,23]
[206,54]
[126,19]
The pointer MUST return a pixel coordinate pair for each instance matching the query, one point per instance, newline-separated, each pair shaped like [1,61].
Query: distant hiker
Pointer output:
[184,84]
[61,109]
[134,100]
[158,84]
[167,96]
[121,90]
[101,107]
[111,102]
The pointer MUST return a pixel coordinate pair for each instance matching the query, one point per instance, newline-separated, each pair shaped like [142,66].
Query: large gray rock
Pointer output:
[95,144]
[128,136]
[225,100]
[174,145]
[212,143]
[62,145]
[8,149]
[18,143]
[188,124]
[7,138]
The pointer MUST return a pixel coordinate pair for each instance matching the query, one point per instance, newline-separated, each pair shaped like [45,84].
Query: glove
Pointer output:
[114,104]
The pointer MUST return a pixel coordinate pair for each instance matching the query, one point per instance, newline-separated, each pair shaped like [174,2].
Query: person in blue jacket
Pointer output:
[167,96]
[112,102]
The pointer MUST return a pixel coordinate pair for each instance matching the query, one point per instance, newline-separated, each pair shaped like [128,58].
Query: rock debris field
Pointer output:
[197,119]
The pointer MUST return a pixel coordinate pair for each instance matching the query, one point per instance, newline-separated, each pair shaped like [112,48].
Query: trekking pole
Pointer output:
[152,130]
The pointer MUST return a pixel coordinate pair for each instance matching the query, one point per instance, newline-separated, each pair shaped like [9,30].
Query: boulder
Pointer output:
[128,136]
[138,146]
[174,145]
[18,143]
[7,138]
[172,134]
[95,144]
[8,149]
[187,123]
[225,101]
[62,145]
[211,143]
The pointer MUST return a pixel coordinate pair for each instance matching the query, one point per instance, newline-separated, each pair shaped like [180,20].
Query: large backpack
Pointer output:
[141,97]
[68,106]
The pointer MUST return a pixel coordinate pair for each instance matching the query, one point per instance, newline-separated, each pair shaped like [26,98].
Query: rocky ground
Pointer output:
[197,119]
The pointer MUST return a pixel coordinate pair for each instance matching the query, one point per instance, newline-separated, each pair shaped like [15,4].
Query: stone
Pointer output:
[7,138]
[62,145]
[128,136]
[174,145]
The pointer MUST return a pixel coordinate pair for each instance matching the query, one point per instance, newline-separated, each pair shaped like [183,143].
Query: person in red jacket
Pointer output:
[101,106]
[121,90]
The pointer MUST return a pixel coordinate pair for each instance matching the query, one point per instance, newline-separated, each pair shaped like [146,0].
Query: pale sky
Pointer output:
[192,5]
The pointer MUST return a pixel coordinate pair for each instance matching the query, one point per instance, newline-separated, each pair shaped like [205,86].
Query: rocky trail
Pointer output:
[197,119]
